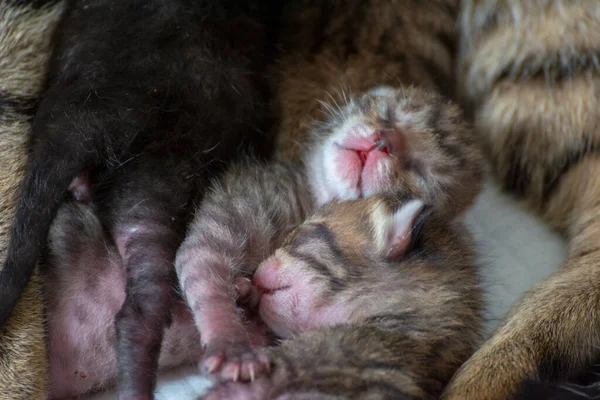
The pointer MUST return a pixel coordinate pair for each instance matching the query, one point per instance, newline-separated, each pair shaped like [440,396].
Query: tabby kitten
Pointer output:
[380,299]
[386,63]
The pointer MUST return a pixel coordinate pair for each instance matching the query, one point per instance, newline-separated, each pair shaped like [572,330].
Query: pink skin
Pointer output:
[80,188]
[228,357]
[357,162]
[360,158]
[81,330]
[291,303]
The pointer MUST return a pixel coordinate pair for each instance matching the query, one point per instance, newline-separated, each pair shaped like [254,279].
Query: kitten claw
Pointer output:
[237,363]
[251,372]
[213,363]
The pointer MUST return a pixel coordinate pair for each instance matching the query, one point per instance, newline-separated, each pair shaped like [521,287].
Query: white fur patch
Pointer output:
[381,91]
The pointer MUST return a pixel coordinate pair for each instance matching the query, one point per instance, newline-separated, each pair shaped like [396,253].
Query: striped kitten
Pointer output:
[380,300]
[245,217]
[383,137]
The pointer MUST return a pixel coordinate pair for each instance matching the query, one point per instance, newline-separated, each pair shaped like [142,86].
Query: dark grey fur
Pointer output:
[151,97]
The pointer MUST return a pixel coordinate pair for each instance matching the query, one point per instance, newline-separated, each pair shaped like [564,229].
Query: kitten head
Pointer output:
[350,260]
[388,140]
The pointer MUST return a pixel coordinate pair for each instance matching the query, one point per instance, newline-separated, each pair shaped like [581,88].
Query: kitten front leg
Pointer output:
[239,223]
[210,291]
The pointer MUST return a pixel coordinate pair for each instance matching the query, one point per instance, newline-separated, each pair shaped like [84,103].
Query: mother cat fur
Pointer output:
[26,29]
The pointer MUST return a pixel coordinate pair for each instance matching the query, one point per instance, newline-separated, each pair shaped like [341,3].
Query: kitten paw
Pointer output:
[236,363]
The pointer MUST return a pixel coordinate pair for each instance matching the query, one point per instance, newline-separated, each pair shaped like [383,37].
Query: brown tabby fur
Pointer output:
[24,51]
[531,71]
[364,45]
[414,319]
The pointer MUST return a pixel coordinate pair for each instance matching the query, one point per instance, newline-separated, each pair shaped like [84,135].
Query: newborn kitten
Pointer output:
[83,282]
[389,129]
[84,288]
[380,300]
[426,150]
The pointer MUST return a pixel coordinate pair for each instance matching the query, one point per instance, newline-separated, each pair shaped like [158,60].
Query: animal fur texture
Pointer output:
[389,129]
[340,48]
[83,283]
[150,98]
[381,300]
[26,30]
[530,72]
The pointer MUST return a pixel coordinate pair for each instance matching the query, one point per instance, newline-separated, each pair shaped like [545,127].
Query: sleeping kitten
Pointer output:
[150,98]
[245,217]
[388,129]
[379,299]
[359,96]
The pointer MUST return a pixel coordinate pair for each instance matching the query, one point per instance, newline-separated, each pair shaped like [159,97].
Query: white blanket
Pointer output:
[516,251]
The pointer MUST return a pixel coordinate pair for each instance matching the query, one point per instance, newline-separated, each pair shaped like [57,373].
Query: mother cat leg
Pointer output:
[536,100]
[239,223]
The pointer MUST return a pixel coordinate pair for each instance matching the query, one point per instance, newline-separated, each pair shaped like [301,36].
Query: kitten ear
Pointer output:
[398,229]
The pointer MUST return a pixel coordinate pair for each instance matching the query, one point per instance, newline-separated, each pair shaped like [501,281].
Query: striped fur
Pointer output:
[382,65]
[408,322]
[26,29]
[531,72]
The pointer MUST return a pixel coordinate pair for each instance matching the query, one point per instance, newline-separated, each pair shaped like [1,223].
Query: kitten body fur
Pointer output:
[383,64]
[25,47]
[530,72]
[410,317]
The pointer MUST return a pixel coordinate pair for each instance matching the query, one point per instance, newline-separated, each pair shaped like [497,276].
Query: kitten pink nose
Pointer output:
[388,142]
[267,274]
